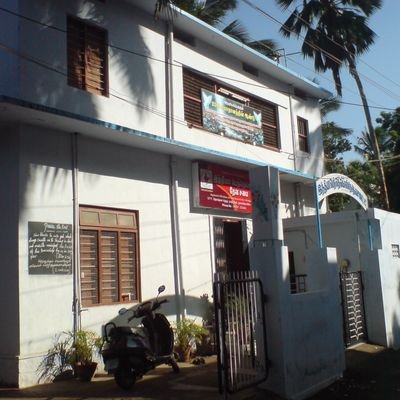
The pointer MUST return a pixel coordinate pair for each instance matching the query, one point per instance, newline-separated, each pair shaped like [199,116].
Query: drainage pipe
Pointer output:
[173,186]
[293,128]
[75,248]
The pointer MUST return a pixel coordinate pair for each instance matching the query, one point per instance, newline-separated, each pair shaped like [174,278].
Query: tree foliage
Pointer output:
[335,34]
[213,12]
[336,143]
[366,176]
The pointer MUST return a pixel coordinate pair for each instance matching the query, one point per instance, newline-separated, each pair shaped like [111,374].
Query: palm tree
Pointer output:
[336,34]
[213,12]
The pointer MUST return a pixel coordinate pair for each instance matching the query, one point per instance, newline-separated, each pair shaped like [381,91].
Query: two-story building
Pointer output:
[126,149]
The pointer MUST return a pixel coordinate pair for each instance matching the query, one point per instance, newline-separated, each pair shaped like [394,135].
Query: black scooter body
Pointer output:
[130,352]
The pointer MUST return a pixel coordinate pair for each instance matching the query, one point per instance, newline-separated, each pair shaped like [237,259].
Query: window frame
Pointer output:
[118,229]
[80,81]
[194,117]
[303,134]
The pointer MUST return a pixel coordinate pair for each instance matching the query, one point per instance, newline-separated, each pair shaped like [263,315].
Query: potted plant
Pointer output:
[86,345]
[187,334]
[56,363]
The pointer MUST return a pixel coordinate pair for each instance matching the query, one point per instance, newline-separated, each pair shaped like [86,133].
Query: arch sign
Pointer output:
[338,183]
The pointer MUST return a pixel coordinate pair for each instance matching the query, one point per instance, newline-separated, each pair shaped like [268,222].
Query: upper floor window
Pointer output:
[87,57]
[109,256]
[195,85]
[302,129]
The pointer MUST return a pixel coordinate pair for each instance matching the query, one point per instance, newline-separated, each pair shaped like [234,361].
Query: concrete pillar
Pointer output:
[298,326]
[267,221]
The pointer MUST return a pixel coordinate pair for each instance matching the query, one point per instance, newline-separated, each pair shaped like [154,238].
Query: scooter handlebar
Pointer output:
[146,308]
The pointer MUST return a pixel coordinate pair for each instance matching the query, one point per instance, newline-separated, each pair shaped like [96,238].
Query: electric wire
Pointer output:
[119,96]
[326,53]
[129,101]
[344,48]
[320,75]
[179,65]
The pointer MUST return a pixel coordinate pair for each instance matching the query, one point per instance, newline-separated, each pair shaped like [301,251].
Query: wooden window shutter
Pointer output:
[87,57]
[109,267]
[89,267]
[128,265]
[269,122]
[109,256]
[302,128]
[192,85]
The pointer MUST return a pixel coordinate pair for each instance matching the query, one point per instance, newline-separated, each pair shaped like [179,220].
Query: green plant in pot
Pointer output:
[86,345]
[187,335]
[55,365]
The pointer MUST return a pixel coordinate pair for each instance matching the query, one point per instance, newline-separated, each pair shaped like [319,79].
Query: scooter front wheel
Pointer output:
[125,378]
[174,365]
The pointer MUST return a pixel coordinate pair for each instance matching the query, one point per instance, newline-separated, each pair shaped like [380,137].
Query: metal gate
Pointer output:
[241,330]
[355,330]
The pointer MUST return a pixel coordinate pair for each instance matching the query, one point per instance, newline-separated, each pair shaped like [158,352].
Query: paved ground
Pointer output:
[373,373]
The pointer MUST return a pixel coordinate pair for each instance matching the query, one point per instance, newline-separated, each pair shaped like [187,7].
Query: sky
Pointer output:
[379,67]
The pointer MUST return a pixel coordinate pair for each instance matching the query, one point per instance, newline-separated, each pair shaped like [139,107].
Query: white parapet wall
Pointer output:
[313,336]
[304,330]
[366,241]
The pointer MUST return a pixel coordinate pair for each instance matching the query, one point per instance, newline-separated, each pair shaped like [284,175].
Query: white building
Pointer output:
[367,242]
[105,137]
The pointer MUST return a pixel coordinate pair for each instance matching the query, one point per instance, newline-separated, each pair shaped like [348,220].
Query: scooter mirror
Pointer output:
[122,311]
[161,289]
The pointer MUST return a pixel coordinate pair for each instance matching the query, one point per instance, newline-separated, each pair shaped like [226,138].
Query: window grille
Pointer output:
[395,251]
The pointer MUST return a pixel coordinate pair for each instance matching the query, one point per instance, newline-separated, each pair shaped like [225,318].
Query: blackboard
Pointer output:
[50,248]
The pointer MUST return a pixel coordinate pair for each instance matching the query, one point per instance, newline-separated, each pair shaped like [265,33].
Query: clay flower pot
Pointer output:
[85,372]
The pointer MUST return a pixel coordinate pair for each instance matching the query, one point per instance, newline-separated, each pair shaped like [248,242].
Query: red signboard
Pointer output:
[221,188]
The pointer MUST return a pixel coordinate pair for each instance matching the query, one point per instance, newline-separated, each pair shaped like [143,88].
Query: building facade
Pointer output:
[121,136]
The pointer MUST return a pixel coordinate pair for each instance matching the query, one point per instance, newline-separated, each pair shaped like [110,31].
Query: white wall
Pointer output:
[205,58]
[313,334]
[137,79]
[196,243]
[109,176]
[348,233]
[45,188]
[390,274]
[136,76]
[304,330]
[339,230]
[297,199]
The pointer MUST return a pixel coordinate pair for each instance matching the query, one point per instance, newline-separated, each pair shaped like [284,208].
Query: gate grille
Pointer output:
[241,330]
[353,308]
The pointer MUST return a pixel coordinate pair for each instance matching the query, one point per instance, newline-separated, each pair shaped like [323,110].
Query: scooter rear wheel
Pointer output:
[125,378]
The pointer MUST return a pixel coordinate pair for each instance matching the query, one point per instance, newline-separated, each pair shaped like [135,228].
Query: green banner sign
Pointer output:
[231,118]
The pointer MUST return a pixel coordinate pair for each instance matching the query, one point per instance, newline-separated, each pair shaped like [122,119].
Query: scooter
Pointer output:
[130,352]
